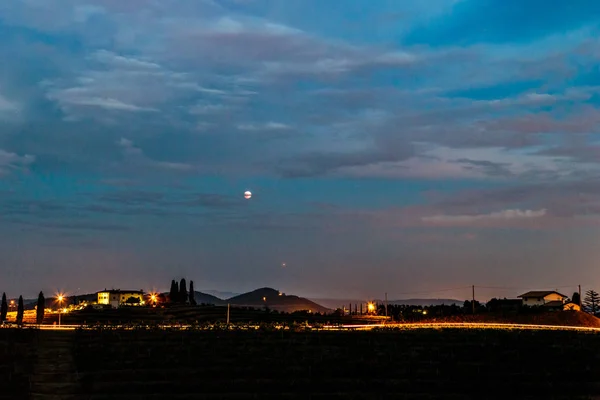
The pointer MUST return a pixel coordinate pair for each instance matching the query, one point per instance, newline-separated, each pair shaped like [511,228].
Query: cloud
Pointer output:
[271,126]
[134,156]
[324,163]
[75,225]
[496,215]
[75,97]
[7,107]
[122,62]
[11,162]
[502,21]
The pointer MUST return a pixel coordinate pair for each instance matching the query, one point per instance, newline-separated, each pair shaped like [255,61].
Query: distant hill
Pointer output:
[220,294]
[276,301]
[338,303]
[29,304]
[205,298]
[426,302]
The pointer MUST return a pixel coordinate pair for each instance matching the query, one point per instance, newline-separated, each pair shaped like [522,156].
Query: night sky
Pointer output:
[407,147]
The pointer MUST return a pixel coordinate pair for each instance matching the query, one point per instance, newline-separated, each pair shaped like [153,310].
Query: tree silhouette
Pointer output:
[592,302]
[192,294]
[3,308]
[41,307]
[20,311]
[183,295]
[174,292]
[575,298]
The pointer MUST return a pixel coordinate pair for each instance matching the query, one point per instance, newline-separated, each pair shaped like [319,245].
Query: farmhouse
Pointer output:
[542,297]
[116,298]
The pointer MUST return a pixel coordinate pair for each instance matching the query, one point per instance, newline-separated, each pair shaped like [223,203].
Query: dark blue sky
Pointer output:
[391,146]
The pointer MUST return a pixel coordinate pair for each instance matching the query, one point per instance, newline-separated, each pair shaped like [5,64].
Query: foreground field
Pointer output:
[409,364]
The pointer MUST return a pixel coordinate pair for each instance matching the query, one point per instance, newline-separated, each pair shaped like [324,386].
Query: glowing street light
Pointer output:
[371,307]
[59,298]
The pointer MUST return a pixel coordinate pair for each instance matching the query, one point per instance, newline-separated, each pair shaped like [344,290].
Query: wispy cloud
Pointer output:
[495,215]
[136,157]
[7,106]
[11,162]
[273,126]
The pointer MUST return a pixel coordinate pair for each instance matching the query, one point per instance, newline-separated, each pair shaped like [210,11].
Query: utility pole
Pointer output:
[473,301]
[579,296]
[227,313]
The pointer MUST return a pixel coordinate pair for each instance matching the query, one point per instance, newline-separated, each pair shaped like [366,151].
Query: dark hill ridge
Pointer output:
[258,298]
[205,298]
[276,300]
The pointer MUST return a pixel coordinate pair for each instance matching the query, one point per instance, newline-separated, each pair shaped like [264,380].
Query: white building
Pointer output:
[541,297]
[116,298]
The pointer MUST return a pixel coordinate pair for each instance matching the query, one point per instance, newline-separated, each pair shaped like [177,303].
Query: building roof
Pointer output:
[111,291]
[541,293]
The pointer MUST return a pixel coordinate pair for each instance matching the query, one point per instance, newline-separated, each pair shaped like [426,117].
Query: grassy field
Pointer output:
[17,355]
[419,364]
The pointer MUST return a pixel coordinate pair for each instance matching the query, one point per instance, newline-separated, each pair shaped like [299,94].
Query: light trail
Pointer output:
[346,327]
[463,325]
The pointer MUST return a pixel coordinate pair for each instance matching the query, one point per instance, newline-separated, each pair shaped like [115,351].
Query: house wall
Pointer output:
[117,298]
[103,297]
[539,301]
[126,295]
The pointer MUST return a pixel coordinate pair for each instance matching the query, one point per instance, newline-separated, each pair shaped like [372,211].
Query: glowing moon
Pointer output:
[247,194]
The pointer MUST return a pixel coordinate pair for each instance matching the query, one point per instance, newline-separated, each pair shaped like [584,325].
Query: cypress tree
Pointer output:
[3,308]
[575,298]
[41,307]
[174,292]
[192,294]
[20,311]
[183,295]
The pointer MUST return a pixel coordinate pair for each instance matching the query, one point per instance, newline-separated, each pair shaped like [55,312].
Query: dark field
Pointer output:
[418,364]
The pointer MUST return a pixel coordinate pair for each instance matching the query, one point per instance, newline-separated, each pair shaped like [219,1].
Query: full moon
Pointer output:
[247,194]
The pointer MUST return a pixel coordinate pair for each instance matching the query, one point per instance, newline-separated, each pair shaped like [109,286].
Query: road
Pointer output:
[445,325]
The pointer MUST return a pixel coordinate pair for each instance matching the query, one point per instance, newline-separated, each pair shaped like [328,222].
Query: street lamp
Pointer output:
[371,307]
[60,299]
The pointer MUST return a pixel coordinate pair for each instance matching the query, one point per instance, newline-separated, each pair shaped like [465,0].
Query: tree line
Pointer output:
[179,294]
[40,309]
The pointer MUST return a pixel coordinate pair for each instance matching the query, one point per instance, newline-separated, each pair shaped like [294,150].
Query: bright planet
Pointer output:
[247,194]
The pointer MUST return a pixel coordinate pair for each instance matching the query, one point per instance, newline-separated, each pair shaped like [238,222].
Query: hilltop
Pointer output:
[276,300]
[205,298]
